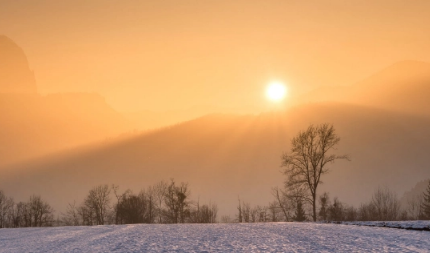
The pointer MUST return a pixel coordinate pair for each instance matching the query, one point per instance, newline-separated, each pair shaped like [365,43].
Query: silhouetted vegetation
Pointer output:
[425,205]
[160,203]
[300,212]
[308,159]
[33,213]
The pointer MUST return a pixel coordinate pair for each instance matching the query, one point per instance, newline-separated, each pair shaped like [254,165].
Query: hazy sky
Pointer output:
[162,55]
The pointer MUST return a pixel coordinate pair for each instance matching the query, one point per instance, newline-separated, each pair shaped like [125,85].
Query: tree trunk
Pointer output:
[314,207]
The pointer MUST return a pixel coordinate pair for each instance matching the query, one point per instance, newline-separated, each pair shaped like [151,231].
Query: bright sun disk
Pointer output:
[276,91]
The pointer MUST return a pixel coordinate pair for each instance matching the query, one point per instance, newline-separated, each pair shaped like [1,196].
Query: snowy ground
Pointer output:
[413,225]
[259,237]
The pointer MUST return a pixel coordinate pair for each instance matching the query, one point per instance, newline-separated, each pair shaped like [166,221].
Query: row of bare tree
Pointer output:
[161,203]
[33,213]
[384,205]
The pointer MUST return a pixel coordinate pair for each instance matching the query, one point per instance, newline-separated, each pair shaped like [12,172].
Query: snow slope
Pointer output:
[258,237]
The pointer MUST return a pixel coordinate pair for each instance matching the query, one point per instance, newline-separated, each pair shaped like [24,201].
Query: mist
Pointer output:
[133,93]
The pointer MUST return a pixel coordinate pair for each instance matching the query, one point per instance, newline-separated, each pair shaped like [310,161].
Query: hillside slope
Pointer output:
[33,125]
[226,156]
[403,87]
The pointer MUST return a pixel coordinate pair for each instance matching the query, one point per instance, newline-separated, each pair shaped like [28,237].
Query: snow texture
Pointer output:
[257,237]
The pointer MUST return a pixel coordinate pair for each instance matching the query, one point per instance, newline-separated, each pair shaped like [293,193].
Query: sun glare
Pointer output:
[276,91]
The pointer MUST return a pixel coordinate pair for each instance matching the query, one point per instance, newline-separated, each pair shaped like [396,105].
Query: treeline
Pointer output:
[383,206]
[170,203]
[33,213]
[160,203]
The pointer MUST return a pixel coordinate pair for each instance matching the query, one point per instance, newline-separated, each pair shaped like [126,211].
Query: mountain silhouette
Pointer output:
[33,125]
[403,87]
[15,74]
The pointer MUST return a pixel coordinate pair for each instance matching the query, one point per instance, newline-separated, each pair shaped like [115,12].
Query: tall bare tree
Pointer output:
[309,158]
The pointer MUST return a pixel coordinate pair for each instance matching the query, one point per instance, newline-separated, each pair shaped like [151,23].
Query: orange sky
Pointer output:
[164,55]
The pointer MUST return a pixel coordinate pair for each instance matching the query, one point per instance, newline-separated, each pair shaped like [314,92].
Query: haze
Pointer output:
[138,82]
[169,55]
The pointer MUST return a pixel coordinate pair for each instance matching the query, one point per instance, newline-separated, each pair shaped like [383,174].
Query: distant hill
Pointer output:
[226,156]
[33,125]
[403,87]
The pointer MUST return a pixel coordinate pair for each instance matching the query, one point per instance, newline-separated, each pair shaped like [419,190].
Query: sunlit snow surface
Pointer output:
[259,237]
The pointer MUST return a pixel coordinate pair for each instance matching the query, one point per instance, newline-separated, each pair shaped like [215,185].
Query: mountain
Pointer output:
[15,74]
[403,87]
[226,156]
[34,125]
[149,120]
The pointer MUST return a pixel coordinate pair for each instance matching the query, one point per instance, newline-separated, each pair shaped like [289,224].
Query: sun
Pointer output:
[276,91]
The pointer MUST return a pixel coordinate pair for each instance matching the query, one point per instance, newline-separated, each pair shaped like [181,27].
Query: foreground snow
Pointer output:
[259,237]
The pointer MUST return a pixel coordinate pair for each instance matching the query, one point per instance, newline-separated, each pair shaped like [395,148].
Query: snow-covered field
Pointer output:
[258,237]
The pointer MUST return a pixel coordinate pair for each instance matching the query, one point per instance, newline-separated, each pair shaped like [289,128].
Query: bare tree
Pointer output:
[97,203]
[71,217]
[367,212]
[119,197]
[308,159]
[151,197]
[414,207]
[386,204]
[246,212]
[239,209]
[350,213]
[282,202]
[425,206]
[176,202]
[274,211]
[6,210]
[225,219]
[204,213]
[159,192]
[40,212]
[254,213]
[262,213]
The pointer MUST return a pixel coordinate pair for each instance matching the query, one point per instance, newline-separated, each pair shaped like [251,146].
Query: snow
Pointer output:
[417,225]
[257,237]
